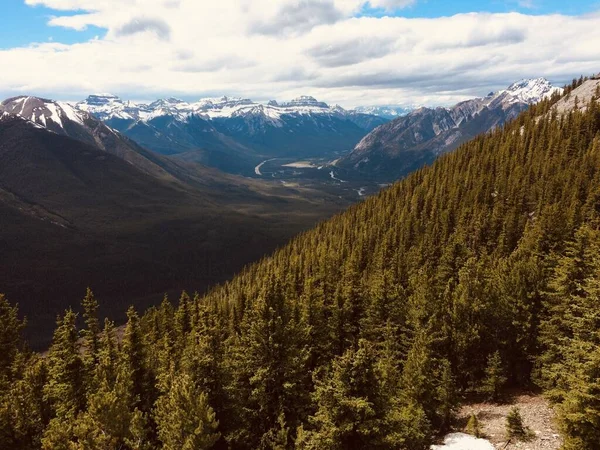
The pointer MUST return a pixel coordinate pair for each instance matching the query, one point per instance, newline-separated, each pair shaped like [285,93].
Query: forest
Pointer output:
[476,274]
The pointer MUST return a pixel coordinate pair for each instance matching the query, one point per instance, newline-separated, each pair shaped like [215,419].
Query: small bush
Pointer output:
[515,428]
[473,426]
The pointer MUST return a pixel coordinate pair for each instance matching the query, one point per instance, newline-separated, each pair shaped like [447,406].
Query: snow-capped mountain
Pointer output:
[530,91]
[386,111]
[408,142]
[64,119]
[301,127]
[107,107]
[54,116]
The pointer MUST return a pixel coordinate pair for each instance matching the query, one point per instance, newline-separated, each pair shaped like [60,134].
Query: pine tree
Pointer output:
[92,328]
[64,389]
[141,384]
[184,419]
[268,366]
[515,429]
[494,379]
[10,338]
[106,421]
[473,426]
[24,413]
[350,412]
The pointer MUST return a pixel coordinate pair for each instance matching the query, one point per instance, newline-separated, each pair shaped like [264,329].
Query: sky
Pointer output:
[347,52]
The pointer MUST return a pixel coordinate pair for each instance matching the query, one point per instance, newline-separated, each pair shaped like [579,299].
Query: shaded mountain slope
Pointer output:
[74,215]
[404,144]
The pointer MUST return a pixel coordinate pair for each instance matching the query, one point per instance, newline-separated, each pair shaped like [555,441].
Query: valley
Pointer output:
[227,175]
[299,225]
[318,174]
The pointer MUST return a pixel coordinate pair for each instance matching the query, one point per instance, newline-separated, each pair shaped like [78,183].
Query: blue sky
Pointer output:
[438,8]
[280,49]
[21,25]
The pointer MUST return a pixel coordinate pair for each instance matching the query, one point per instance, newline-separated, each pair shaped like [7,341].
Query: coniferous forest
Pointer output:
[478,273]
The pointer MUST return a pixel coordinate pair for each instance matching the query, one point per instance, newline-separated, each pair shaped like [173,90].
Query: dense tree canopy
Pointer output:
[478,272]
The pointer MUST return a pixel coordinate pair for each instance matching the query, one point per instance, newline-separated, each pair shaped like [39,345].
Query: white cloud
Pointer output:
[265,49]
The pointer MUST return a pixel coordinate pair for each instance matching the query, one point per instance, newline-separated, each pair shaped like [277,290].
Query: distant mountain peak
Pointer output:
[407,143]
[306,100]
[47,113]
[531,90]
[386,111]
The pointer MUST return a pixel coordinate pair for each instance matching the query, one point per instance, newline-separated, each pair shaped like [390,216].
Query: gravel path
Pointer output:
[537,415]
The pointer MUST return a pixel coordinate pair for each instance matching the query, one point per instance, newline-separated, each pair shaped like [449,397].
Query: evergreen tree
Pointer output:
[473,427]
[10,338]
[64,389]
[494,379]
[350,412]
[184,419]
[515,429]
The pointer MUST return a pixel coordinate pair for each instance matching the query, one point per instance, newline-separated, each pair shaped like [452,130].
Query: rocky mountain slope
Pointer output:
[405,144]
[234,133]
[63,119]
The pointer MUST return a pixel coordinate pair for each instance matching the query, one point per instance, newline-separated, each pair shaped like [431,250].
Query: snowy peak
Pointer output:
[306,100]
[46,113]
[386,111]
[107,107]
[102,99]
[531,91]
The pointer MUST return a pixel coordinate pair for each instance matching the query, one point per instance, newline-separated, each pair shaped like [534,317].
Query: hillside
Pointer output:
[471,276]
[75,215]
[407,143]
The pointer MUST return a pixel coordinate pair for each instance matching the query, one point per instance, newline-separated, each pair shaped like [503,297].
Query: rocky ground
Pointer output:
[537,415]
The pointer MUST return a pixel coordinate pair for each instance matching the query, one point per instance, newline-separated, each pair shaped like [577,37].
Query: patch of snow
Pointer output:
[54,114]
[71,113]
[462,441]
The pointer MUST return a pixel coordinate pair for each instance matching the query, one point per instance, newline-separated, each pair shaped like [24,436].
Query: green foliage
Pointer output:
[494,379]
[473,427]
[65,387]
[184,419]
[350,409]
[571,340]
[515,428]
[10,338]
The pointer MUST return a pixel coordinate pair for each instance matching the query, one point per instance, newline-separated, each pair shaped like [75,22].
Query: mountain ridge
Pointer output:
[406,143]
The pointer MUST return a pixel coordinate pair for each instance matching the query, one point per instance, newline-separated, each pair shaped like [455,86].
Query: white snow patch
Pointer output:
[54,114]
[71,113]
[462,441]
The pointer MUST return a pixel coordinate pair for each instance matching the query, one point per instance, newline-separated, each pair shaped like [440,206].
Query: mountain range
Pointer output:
[234,134]
[404,144]
[386,111]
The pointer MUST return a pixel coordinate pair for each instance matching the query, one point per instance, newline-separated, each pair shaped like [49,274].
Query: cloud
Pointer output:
[391,5]
[145,24]
[296,17]
[350,51]
[264,49]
